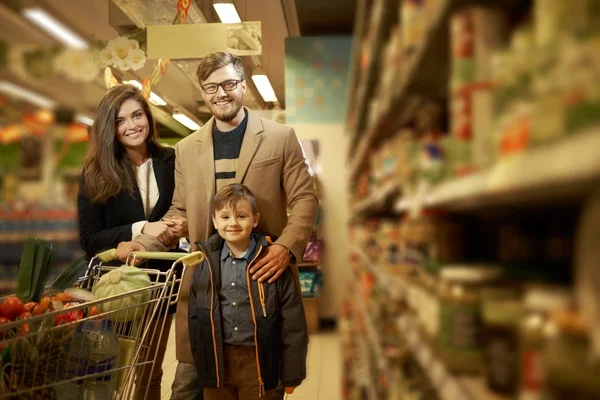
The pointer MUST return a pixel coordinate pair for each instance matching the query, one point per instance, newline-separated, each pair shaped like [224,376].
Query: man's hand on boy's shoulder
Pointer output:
[272,265]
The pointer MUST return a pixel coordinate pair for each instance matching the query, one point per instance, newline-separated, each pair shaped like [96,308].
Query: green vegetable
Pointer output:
[70,275]
[43,255]
[26,270]
[122,280]
[34,268]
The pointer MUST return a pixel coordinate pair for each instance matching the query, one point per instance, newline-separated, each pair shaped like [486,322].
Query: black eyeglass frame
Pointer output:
[237,82]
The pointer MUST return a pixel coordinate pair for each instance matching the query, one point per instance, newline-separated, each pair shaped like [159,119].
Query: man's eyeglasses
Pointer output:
[228,86]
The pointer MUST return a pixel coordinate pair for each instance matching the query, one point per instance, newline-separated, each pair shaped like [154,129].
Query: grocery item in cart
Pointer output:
[94,353]
[122,280]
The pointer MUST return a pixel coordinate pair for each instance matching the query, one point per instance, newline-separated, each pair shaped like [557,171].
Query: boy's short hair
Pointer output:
[228,197]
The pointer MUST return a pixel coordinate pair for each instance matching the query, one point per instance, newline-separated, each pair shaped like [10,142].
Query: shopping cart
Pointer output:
[77,353]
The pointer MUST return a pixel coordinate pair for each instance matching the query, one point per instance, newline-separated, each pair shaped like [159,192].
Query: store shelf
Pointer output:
[377,201]
[448,386]
[394,284]
[372,335]
[416,74]
[566,169]
[425,74]
[308,265]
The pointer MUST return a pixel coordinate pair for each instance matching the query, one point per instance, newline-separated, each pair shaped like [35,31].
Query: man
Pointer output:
[237,146]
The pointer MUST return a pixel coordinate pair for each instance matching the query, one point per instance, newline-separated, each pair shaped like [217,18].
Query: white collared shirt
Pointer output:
[148,193]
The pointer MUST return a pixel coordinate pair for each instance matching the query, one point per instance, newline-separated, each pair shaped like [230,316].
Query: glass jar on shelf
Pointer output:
[460,338]
[502,308]
[538,303]
[571,371]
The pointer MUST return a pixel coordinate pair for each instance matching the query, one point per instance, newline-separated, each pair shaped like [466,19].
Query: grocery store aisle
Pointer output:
[323,367]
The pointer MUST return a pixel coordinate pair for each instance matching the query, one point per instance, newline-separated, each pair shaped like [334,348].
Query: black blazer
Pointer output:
[104,226]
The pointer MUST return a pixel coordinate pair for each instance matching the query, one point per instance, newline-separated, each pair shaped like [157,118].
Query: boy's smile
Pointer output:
[235,225]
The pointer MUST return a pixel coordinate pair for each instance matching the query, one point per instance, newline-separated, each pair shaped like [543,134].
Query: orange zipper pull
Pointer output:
[261,293]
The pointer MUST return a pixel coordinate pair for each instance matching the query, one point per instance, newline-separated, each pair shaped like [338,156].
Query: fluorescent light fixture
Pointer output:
[226,11]
[154,98]
[186,121]
[262,83]
[84,119]
[21,93]
[55,28]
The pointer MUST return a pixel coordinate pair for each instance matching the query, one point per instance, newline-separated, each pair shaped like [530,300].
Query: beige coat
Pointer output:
[271,165]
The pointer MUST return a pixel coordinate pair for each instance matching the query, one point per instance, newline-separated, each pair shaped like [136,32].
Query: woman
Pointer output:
[126,187]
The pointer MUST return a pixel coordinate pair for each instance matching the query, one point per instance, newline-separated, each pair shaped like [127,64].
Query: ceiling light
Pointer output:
[261,81]
[84,119]
[226,11]
[21,93]
[154,98]
[55,28]
[186,121]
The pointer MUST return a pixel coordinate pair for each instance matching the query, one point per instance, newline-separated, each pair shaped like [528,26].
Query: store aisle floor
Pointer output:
[323,368]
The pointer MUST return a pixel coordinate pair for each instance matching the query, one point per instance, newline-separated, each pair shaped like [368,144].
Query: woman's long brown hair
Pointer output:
[106,168]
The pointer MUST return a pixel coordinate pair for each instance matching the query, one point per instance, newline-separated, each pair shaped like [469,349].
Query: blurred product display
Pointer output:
[471,165]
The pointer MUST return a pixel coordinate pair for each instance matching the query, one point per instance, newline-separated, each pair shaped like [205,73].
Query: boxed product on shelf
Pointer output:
[476,34]
[414,22]
[313,251]
[568,366]
[311,282]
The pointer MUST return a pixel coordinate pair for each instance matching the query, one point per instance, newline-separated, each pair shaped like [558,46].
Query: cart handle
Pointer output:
[190,259]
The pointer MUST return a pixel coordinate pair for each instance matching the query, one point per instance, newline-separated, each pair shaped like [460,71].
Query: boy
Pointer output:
[245,335]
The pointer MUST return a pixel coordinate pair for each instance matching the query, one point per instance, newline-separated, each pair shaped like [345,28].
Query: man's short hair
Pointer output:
[213,61]
[229,196]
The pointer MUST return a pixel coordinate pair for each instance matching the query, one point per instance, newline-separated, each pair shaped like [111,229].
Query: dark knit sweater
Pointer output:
[227,147]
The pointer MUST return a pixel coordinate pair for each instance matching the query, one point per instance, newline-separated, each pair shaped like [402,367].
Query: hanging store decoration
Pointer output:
[183,8]
[173,41]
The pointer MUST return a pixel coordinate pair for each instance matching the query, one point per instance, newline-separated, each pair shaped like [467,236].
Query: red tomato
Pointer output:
[73,316]
[59,319]
[12,307]
[24,330]
[63,297]
[29,306]
[93,311]
[25,315]
[45,303]
[37,310]
[3,320]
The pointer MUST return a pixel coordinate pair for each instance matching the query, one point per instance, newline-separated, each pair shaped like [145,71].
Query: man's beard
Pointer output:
[227,116]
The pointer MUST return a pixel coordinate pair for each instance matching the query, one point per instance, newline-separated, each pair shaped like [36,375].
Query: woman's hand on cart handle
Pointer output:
[126,248]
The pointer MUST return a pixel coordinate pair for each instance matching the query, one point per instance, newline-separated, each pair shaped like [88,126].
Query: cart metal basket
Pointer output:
[73,354]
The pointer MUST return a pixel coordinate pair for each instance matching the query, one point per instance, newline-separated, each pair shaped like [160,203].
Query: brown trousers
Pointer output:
[158,346]
[241,377]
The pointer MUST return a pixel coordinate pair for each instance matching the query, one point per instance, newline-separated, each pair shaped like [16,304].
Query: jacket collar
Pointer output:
[133,203]
[248,254]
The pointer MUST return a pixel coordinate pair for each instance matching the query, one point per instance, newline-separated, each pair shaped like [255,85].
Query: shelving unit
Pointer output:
[569,168]
[526,198]
[424,75]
